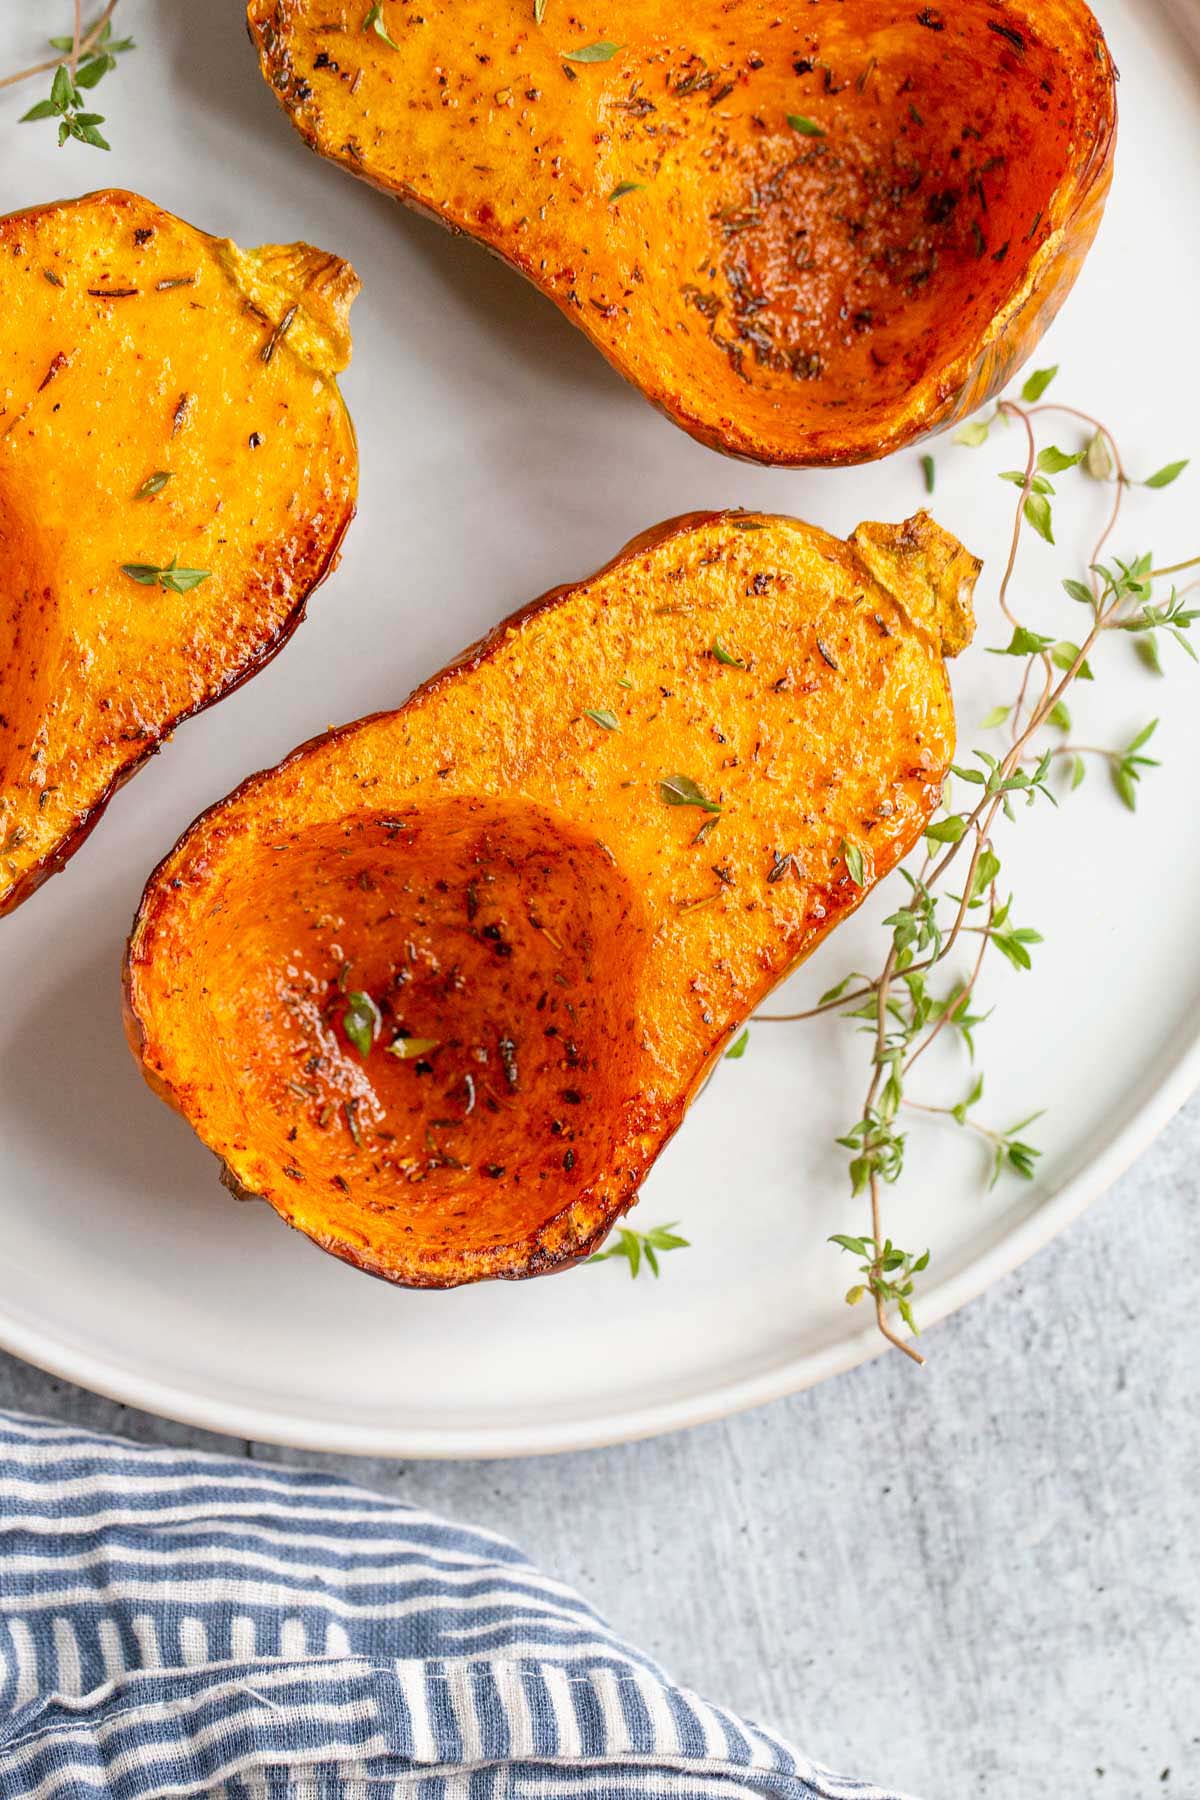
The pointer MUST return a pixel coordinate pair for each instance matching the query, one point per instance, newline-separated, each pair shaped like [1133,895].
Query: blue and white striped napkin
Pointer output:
[174,1623]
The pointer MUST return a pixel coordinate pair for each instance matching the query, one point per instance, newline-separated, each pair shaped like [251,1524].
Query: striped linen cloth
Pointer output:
[173,1623]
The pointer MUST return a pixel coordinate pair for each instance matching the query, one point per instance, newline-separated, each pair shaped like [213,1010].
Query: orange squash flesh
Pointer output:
[810,233]
[554,952]
[163,396]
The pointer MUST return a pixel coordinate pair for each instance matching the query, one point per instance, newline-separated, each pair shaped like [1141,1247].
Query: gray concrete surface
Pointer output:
[979,1581]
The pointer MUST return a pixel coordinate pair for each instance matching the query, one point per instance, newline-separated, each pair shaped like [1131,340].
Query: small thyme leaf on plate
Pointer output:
[726,656]
[1165,476]
[997,716]
[805,126]
[638,1247]
[1065,655]
[1127,765]
[94,54]
[361,1022]
[1053,461]
[929,470]
[737,1049]
[974,434]
[854,863]
[599,52]
[681,790]
[374,21]
[602,717]
[1098,457]
[153,484]
[1037,384]
[947,831]
[1037,513]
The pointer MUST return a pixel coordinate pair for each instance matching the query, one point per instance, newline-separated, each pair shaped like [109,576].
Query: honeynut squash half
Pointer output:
[442,985]
[811,231]
[177,470]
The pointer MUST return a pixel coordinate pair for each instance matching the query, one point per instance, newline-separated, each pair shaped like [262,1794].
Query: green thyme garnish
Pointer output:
[737,1049]
[726,656]
[929,469]
[625,187]
[94,52]
[854,863]
[955,887]
[409,1048]
[169,576]
[593,53]
[361,1022]
[805,126]
[1037,384]
[1167,475]
[374,22]
[153,484]
[681,790]
[638,1247]
[602,717]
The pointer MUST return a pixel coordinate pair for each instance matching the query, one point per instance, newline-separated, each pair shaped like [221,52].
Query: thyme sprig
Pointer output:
[903,1008]
[81,61]
[641,1249]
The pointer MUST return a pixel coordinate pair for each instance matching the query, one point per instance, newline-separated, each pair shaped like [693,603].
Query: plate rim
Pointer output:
[793,1375]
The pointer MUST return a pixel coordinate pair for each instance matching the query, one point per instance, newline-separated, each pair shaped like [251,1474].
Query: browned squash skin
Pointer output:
[497,867]
[815,293]
[135,346]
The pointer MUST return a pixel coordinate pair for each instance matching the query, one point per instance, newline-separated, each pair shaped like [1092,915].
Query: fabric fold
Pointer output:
[174,1623]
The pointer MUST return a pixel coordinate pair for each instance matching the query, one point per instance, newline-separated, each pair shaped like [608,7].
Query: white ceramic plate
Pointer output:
[500,456]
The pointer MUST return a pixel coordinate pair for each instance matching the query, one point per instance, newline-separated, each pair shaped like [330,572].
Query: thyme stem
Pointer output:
[79,47]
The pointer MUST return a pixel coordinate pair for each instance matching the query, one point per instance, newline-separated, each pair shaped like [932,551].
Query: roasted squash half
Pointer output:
[176,473]
[441,985]
[811,232]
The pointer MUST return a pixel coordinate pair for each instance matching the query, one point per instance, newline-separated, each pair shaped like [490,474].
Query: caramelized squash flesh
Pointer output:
[441,985]
[811,234]
[167,407]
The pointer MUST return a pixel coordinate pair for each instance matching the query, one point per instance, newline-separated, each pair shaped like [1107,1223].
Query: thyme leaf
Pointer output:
[681,790]
[153,484]
[374,21]
[642,1248]
[169,576]
[361,1021]
[409,1048]
[600,52]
